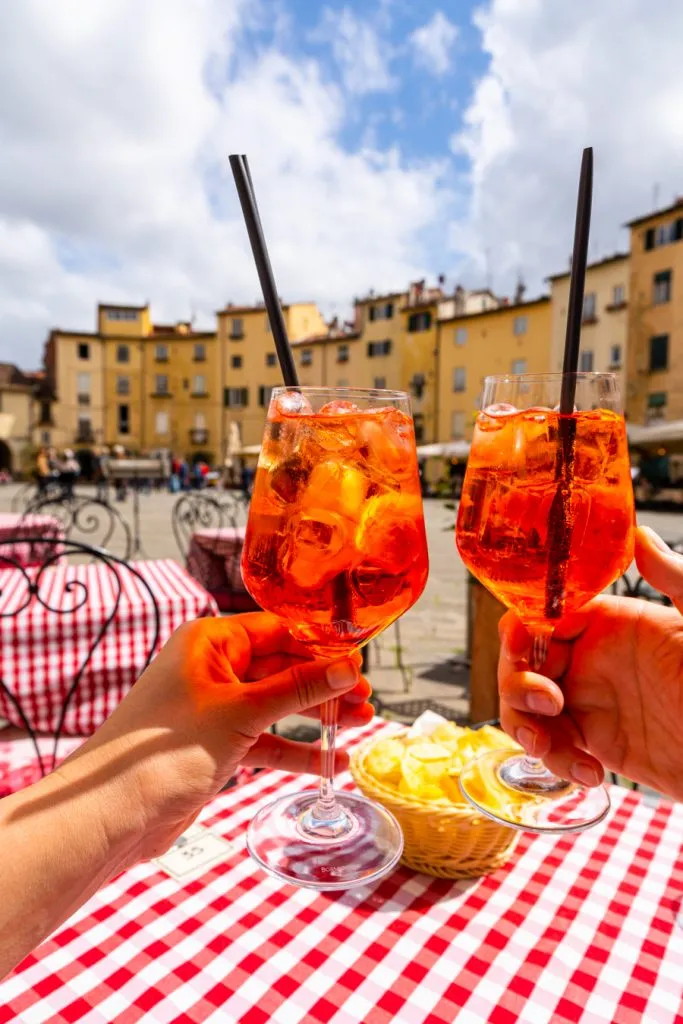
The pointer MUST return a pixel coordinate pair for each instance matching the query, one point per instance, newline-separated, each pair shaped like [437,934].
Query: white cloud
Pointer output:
[562,77]
[115,186]
[362,54]
[433,43]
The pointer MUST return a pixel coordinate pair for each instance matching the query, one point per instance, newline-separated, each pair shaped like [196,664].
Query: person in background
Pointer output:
[247,481]
[42,470]
[120,485]
[102,473]
[184,475]
[69,472]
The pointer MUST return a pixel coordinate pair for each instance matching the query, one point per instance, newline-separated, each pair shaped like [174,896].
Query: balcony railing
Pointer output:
[84,437]
[199,436]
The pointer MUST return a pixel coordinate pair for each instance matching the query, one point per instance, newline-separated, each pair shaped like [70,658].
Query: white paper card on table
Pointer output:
[426,724]
[193,853]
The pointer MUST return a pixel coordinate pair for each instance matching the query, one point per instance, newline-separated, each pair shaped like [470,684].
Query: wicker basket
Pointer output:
[447,841]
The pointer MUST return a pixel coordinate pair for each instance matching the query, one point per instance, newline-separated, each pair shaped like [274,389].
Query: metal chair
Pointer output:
[39,590]
[86,520]
[196,510]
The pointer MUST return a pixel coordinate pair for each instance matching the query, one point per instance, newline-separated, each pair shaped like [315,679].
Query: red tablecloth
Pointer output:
[29,526]
[574,929]
[213,558]
[42,650]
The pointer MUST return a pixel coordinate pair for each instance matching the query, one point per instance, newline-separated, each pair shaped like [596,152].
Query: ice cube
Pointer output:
[391,532]
[289,478]
[292,403]
[592,449]
[334,435]
[377,586]
[318,546]
[535,443]
[386,440]
[339,407]
[338,487]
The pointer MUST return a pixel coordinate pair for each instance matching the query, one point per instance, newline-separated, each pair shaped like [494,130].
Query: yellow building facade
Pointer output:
[514,338]
[21,416]
[134,383]
[655,317]
[604,330]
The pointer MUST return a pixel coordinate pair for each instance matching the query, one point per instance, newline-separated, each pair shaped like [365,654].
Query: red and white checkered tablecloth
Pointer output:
[29,526]
[574,929]
[214,558]
[42,649]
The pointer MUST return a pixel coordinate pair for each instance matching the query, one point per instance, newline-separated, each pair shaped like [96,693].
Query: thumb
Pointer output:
[659,565]
[299,688]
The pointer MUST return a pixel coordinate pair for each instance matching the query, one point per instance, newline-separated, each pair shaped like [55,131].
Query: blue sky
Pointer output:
[388,141]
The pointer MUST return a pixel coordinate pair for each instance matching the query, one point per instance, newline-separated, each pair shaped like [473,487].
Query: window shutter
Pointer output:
[650,238]
[387,346]
[244,396]
[371,313]
[370,352]
[226,398]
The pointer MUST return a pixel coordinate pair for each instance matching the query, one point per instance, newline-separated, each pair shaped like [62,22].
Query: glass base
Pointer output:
[499,786]
[361,846]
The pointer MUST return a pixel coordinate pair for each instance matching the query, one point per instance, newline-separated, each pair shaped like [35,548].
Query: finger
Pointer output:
[269,635]
[348,715]
[529,732]
[298,689]
[531,692]
[277,752]
[661,567]
[557,742]
[516,650]
[273,664]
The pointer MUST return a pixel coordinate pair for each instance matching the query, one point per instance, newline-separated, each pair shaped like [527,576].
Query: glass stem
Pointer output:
[326,807]
[541,642]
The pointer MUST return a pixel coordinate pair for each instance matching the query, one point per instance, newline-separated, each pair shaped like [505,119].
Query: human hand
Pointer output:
[202,708]
[616,701]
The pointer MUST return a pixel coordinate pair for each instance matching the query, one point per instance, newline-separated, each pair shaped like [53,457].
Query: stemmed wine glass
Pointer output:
[335,545]
[546,522]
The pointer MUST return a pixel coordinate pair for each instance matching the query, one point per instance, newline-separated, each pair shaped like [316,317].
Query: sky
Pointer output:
[388,141]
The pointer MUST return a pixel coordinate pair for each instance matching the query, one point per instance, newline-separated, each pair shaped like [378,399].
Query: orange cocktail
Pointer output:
[503,523]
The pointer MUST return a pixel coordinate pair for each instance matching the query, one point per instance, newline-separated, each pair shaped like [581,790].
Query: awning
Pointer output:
[658,433]
[444,450]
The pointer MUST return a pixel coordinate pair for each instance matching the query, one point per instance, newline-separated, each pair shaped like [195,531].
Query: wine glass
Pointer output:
[546,522]
[335,545]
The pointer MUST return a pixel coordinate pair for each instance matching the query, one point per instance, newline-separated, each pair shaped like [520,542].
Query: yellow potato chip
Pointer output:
[428,791]
[490,738]
[423,766]
[448,735]
[384,759]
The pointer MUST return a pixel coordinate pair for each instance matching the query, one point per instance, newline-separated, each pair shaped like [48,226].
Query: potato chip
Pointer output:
[384,759]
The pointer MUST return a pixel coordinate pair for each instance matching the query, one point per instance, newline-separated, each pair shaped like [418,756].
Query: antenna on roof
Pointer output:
[655,195]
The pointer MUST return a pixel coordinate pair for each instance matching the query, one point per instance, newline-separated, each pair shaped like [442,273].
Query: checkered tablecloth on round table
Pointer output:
[574,929]
[214,558]
[32,527]
[42,650]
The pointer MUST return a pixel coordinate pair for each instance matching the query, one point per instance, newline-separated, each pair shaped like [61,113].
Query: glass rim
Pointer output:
[324,389]
[580,375]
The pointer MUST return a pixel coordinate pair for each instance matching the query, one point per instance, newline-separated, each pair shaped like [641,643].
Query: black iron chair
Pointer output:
[86,520]
[197,510]
[39,590]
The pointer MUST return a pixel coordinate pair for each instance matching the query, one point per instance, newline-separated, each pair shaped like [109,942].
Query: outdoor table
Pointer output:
[573,929]
[43,645]
[31,527]
[213,558]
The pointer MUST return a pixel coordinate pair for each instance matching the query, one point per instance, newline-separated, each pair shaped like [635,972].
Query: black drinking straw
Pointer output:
[245,191]
[559,520]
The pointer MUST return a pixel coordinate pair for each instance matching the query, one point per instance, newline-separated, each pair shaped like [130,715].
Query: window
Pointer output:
[122,354]
[161,355]
[271,359]
[199,352]
[519,325]
[122,314]
[83,350]
[307,357]
[656,406]
[45,437]
[267,325]
[382,311]
[589,305]
[460,335]
[419,322]
[457,425]
[199,384]
[459,378]
[264,393]
[236,362]
[84,428]
[417,385]
[122,385]
[615,355]
[237,328]
[199,421]
[659,352]
[161,384]
[379,348]
[83,384]
[586,362]
[380,383]
[235,397]
[45,413]
[124,419]
[419,421]
[618,295]
[661,287]
[161,424]
[518,366]
[342,353]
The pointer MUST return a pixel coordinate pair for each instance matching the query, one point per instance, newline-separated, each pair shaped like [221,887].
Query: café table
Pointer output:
[44,645]
[213,558]
[30,528]
[573,929]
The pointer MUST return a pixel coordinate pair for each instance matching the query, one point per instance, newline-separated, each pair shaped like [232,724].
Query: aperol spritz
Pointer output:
[335,546]
[546,522]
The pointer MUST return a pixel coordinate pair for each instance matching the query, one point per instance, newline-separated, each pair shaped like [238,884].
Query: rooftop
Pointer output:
[614,258]
[676,206]
[505,307]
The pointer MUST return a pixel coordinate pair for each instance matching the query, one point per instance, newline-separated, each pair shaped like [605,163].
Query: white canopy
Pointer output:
[656,434]
[444,450]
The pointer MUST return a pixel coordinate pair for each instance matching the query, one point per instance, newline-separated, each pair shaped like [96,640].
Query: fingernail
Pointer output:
[527,739]
[585,774]
[353,698]
[540,704]
[657,540]
[341,675]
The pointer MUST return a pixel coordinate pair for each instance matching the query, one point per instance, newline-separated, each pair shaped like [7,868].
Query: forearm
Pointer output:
[60,841]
